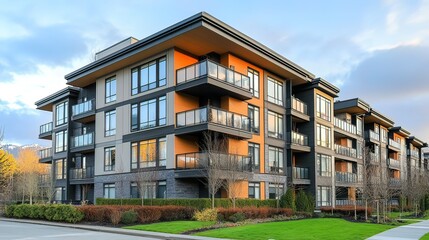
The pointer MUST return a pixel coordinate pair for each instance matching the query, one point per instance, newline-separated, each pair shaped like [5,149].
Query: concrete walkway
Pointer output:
[406,232]
[137,233]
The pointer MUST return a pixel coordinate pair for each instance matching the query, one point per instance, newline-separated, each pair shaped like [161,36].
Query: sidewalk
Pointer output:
[406,232]
[137,233]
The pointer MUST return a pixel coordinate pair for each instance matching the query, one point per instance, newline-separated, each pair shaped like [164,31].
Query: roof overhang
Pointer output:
[322,85]
[47,102]
[351,106]
[417,142]
[375,117]
[400,131]
[188,35]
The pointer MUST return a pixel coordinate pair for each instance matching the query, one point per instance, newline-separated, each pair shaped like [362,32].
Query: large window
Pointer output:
[149,76]
[254,153]
[275,190]
[254,81]
[323,136]
[60,193]
[275,159]
[323,196]
[323,107]
[275,125]
[275,91]
[61,113]
[109,190]
[151,190]
[109,158]
[110,123]
[149,153]
[110,90]
[253,113]
[61,141]
[60,169]
[149,114]
[254,190]
[324,163]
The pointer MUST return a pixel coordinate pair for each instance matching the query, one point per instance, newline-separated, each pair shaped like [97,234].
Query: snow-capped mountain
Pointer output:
[15,149]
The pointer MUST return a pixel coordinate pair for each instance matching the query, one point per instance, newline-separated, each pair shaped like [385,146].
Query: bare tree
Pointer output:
[236,170]
[146,180]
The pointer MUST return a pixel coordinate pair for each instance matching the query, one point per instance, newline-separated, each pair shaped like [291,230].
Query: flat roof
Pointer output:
[47,102]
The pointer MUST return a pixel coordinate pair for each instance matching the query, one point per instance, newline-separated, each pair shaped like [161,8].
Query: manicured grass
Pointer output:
[425,237]
[395,215]
[172,227]
[321,228]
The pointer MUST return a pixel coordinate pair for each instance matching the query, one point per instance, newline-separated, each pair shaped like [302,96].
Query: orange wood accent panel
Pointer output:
[184,102]
[185,144]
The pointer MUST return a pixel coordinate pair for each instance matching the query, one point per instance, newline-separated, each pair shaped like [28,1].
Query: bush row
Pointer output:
[50,212]
[130,214]
[347,211]
[252,213]
[198,203]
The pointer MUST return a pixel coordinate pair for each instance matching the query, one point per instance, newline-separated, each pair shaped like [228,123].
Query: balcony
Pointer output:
[395,182]
[212,119]
[46,131]
[345,177]
[394,144]
[300,175]
[414,153]
[81,173]
[372,136]
[345,151]
[373,158]
[394,164]
[84,112]
[45,155]
[83,143]
[208,78]
[44,180]
[299,110]
[345,126]
[298,142]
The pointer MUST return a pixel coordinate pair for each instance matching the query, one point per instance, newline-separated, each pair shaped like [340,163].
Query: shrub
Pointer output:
[237,217]
[346,211]
[21,211]
[9,210]
[174,213]
[129,217]
[253,212]
[301,201]
[288,199]
[63,213]
[148,214]
[114,215]
[206,215]
[93,213]
[311,203]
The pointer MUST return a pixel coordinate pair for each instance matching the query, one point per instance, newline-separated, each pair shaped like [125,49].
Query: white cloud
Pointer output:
[12,30]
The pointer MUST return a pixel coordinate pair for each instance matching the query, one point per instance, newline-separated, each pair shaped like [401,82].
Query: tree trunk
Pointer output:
[366,209]
[213,202]
[378,211]
[355,211]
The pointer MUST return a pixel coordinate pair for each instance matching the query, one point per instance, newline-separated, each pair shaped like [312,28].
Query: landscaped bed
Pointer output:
[172,227]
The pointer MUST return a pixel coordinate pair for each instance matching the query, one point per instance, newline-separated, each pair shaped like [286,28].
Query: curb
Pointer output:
[136,233]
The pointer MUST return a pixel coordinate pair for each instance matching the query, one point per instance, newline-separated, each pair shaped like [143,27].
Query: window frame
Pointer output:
[276,186]
[254,117]
[160,155]
[256,186]
[278,96]
[63,174]
[63,136]
[324,160]
[278,125]
[321,202]
[64,119]
[109,187]
[252,149]
[109,129]
[254,88]
[278,161]
[109,158]
[109,96]
[324,104]
[160,116]
[136,84]
[323,130]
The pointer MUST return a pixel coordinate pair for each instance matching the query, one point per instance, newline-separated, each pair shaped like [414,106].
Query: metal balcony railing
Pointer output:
[372,135]
[214,70]
[346,177]
[300,173]
[348,202]
[45,153]
[83,140]
[345,151]
[348,127]
[374,157]
[201,160]
[46,128]
[82,173]
[210,114]
[394,163]
[83,107]
[414,153]
[395,181]
[299,106]
[299,138]
[394,143]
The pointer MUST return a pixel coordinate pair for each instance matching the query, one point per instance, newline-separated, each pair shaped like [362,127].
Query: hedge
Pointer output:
[347,211]
[253,212]
[198,203]
[50,212]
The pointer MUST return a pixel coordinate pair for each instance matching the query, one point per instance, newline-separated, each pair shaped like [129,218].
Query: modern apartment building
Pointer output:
[143,108]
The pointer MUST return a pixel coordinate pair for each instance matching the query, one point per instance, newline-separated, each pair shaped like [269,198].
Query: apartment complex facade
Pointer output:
[142,110]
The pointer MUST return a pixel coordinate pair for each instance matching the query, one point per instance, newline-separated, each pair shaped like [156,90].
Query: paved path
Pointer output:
[406,232]
[20,229]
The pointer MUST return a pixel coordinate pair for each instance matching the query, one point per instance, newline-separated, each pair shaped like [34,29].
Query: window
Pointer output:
[162,189]
[324,163]
[60,193]
[275,91]
[149,76]
[110,90]
[323,135]
[149,114]
[254,153]
[61,141]
[254,81]
[359,126]
[60,169]
[109,158]
[275,159]
[254,191]
[253,113]
[323,196]
[323,106]
[109,190]
[149,153]
[383,135]
[275,190]
[61,113]
[110,123]
[150,189]
[134,190]
[275,125]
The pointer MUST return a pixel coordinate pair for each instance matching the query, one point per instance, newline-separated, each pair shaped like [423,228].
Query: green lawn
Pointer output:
[322,228]
[172,227]
[425,237]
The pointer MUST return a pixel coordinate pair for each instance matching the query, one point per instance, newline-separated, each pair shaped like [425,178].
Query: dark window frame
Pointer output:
[109,96]
[251,73]
[252,110]
[109,131]
[136,84]
[159,162]
[64,118]
[160,117]
[109,164]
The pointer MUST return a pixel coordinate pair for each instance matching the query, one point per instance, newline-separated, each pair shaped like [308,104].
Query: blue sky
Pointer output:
[375,50]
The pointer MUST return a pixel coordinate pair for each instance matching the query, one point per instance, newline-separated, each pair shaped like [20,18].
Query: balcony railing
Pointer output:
[345,151]
[393,163]
[300,139]
[300,173]
[414,153]
[346,177]
[83,107]
[348,202]
[299,106]
[201,160]
[348,127]
[210,114]
[372,135]
[83,140]
[374,157]
[45,153]
[44,179]
[82,173]
[46,128]
[214,70]
[395,182]
[394,143]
